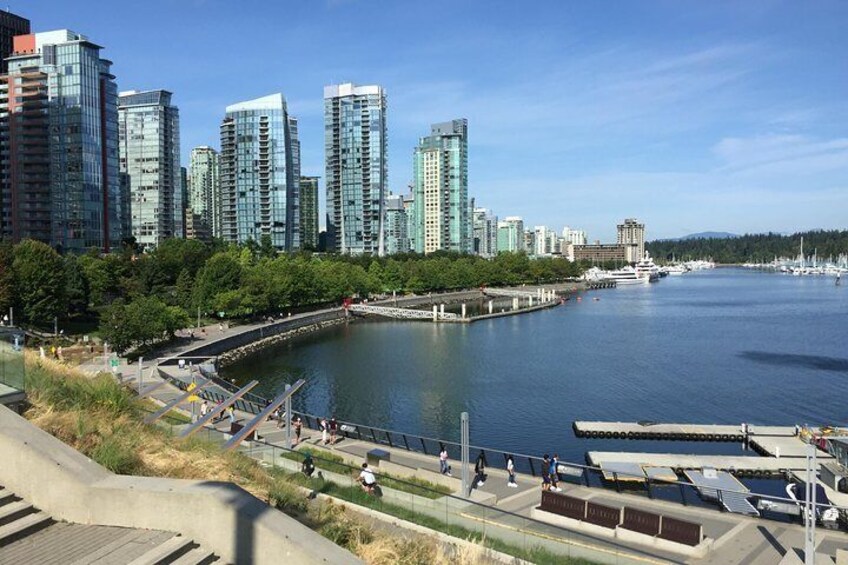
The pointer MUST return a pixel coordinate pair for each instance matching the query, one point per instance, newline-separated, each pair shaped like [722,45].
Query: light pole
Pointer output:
[810,507]
[464,441]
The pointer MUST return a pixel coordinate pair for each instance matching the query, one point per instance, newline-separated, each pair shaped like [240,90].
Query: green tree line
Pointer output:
[138,299]
[758,248]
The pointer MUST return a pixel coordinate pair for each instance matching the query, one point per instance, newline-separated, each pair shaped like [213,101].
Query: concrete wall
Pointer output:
[228,343]
[220,516]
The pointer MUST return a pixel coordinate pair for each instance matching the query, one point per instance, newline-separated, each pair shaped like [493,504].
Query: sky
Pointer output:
[688,115]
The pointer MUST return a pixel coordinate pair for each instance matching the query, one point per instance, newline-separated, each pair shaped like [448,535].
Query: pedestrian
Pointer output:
[554,474]
[297,424]
[334,426]
[204,408]
[444,468]
[324,429]
[231,414]
[367,479]
[60,354]
[480,470]
[510,468]
[546,472]
[181,364]
[41,351]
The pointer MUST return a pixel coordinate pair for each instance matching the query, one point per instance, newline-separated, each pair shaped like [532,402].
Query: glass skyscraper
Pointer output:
[149,141]
[441,189]
[260,173]
[204,192]
[356,170]
[61,150]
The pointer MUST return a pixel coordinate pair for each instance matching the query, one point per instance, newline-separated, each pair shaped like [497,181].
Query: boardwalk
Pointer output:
[740,464]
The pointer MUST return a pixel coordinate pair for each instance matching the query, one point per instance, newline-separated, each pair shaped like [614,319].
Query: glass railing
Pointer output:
[12,369]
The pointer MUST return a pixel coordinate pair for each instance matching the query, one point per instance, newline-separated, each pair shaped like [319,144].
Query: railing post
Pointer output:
[389,437]
[464,434]
[288,419]
[406,443]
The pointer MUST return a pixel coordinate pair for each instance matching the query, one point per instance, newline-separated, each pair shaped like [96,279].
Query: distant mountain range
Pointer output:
[708,235]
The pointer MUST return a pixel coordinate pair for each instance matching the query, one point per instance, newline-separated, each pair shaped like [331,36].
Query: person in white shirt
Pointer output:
[204,409]
[510,468]
[444,468]
[367,478]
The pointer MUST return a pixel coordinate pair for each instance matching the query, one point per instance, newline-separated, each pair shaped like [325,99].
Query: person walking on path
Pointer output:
[334,426]
[510,468]
[231,414]
[297,424]
[480,471]
[308,466]
[553,473]
[367,479]
[324,430]
[444,468]
[546,472]
[204,408]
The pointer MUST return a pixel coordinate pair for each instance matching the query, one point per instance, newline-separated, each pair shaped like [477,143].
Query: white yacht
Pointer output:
[626,276]
[675,270]
[646,268]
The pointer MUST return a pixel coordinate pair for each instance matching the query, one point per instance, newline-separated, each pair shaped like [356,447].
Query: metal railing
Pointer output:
[678,491]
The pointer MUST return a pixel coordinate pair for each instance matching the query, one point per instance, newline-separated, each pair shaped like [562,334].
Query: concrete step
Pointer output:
[6,496]
[164,553]
[22,526]
[13,510]
[197,556]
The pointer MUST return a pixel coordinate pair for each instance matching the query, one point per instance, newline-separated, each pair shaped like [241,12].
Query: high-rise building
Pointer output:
[204,193]
[355,139]
[260,173]
[309,212]
[485,225]
[511,234]
[60,181]
[149,142]
[574,237]
[441,189]
[544,241]
[409,210]
[631,234]
[397,236]
[10,26]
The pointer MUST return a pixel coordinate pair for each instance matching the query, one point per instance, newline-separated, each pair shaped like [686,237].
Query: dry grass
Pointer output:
[100,419]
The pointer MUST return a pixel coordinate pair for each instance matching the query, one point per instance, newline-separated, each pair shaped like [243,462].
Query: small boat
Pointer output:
[798,492]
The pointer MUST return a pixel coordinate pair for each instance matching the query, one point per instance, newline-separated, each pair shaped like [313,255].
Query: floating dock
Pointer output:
[778,446]
[684,432]
[736,464]
[723,488]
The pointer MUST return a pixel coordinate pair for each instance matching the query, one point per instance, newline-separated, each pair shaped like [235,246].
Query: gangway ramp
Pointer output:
[723,488]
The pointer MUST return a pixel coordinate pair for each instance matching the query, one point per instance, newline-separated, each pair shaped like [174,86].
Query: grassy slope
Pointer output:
[100,419]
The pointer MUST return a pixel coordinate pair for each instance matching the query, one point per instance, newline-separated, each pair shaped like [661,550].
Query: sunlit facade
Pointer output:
[260,173]
[356,170]
[204,190]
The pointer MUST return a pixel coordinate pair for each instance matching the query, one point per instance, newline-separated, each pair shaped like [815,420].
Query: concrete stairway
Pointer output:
[28,535]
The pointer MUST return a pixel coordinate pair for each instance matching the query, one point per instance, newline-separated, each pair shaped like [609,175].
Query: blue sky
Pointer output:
[690,116]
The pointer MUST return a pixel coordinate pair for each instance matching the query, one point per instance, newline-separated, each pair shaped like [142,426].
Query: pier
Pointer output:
[682,432]
[736,464]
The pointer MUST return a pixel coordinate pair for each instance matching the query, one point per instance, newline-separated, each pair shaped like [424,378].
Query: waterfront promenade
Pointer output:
[505,513]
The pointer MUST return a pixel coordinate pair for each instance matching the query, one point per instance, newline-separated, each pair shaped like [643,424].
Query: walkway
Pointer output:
[506,514]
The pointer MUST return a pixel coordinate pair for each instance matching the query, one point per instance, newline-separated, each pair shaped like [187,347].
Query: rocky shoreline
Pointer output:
[245,351]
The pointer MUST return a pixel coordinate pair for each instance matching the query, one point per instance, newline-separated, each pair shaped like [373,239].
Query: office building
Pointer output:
[397,235]
[574,237]
[10,26]
[632,235]
[441,189]
[309,213]
[511,234]
[204,193]
[485,226]
[601,253]
[60,181]
[260,173]
[149,149]
[356,170]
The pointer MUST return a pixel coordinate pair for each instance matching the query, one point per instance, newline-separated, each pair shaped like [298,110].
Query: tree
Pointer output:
[7,277]
[39,282]
[184,289]
[76,286]
[221,273]
[266,247]
[143,322]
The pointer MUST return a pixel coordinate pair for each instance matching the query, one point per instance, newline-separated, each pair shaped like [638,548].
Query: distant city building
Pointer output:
[356,169]
[397,235]
[600,253]
[409,209]
[440,169]
[195,227]
[574,237]
[10,26]
[149,149]
[60,180]
[184,199]
[529,245]
[485,225]
[260,173]
[511,234]
[204,193]
[309,213]
[632,234]
[545,242]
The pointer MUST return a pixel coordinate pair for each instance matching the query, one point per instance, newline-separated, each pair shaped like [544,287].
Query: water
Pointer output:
[721,346]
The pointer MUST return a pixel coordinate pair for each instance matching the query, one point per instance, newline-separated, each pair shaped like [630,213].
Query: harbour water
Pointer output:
[719,346]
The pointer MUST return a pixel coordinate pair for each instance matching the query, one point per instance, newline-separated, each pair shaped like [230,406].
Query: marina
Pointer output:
[742,465]
[689,432]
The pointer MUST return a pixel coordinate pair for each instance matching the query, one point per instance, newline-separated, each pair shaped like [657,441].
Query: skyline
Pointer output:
[700,118]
